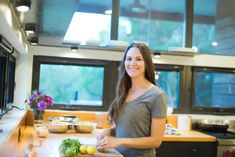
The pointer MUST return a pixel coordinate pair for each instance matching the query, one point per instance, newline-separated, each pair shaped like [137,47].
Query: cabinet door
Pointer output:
[187,149]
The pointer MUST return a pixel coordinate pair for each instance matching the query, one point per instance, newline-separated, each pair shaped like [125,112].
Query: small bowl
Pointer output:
[84,127]
[58,127]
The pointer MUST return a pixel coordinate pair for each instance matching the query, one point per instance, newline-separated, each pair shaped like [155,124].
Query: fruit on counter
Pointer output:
[91,149]
[83,149]
[70,147]
[42,131]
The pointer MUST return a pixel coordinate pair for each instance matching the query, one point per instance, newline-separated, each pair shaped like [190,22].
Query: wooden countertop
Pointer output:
[49,146]
[189,136]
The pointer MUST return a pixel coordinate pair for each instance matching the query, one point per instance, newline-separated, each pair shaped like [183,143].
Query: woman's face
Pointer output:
[134,63]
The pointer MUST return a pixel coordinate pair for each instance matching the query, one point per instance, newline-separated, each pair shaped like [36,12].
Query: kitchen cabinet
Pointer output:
[187,149]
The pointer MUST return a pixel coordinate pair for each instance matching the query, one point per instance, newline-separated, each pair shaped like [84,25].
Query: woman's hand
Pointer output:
[105,132]
[108,142]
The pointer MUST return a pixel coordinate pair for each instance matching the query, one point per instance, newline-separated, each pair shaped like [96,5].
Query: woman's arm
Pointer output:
[153,141]
[106,132]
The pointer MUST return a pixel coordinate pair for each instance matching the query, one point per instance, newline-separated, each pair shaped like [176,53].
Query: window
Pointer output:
[218,22]
[160,24]
[213,89]
[7,74]
[76,83]
[169,78]
[2,77]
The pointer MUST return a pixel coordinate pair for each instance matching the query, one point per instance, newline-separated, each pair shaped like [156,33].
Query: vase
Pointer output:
[38,114]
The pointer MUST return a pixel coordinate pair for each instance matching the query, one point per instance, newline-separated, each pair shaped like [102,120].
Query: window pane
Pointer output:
[158,23]
[11,81]
[213,89]
[72,84]
[169,82]
[90,22]
[216,18]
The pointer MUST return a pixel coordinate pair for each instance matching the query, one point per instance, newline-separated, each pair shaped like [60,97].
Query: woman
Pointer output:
[139,109]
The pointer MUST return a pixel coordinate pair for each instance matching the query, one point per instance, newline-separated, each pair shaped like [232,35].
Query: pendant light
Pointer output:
[137,7]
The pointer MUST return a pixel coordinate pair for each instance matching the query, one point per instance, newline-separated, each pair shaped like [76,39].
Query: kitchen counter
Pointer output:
[9,123]
[49,146]
[189,136]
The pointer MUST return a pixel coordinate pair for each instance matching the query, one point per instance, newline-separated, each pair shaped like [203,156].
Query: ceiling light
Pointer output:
[33,40]
[74,48]
[30,28]
[214,43]
[136,7]
[23,5]
[156,54]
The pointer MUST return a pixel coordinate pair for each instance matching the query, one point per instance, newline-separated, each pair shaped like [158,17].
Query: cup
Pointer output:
[100,119]
[184,122]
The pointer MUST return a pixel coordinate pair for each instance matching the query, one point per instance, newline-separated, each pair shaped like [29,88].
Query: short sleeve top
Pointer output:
[134,119]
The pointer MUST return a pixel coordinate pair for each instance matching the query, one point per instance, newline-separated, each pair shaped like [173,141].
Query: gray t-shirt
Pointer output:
[135,119]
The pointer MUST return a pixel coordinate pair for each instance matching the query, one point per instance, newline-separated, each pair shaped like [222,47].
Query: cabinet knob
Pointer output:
[194,149]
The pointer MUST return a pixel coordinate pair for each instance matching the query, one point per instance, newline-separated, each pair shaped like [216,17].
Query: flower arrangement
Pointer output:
[39,101]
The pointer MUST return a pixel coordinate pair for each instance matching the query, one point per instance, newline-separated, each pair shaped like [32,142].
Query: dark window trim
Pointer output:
[209,110]
[6,83]
[110,79]
[2,81]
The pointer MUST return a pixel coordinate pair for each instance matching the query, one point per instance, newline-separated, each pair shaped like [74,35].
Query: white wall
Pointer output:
[11,30]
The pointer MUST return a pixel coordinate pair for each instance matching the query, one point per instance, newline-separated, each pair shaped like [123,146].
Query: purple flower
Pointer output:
[42,105]
[39,100]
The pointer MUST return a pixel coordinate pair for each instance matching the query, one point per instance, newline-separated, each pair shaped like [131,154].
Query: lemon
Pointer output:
[91,149]
[83,149]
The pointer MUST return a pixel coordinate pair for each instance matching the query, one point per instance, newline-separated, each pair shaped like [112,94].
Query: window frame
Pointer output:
[208,110]
[6,85]
[2,76]
[110,79]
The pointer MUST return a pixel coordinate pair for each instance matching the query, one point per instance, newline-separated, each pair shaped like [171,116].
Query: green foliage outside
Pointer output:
[169,82]
[63,81]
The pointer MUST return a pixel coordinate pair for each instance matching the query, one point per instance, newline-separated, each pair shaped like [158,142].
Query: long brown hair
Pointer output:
[124,83]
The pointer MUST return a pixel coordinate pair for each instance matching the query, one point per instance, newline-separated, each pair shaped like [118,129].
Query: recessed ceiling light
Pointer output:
[74,48]
[33,40]
[23,5]
[156,54]
[29,28]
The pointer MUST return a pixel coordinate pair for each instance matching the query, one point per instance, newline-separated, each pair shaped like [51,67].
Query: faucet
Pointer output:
[7,110]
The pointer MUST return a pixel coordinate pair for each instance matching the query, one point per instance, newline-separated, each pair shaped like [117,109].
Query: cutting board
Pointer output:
[109,152]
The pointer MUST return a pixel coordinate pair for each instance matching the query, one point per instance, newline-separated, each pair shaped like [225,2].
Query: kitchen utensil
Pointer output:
[57,127]
[213,125]
[84,127]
